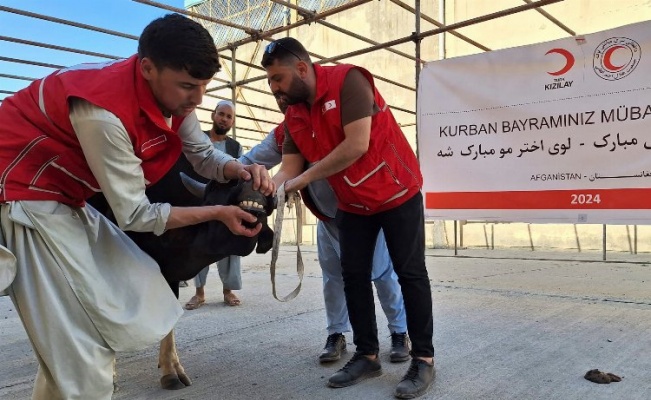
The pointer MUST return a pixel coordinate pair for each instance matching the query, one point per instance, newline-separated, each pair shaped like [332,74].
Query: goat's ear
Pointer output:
[195,187]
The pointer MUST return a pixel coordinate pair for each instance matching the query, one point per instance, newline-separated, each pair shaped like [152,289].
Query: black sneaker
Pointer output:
[357,369]
[400,347]
[335,345]
[418,378]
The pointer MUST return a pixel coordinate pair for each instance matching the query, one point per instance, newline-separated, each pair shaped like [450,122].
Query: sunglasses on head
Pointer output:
[271,47]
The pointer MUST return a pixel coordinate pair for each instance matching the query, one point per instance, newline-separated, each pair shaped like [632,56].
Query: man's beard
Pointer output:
[219,130]
[297,93]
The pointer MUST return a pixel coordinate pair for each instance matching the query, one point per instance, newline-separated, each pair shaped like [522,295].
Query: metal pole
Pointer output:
[554,20]
[456,252]
[233,87]
[441,25]
[67,22]
[396,42]
[461,224]
[447,28]
[248,30]
[285,28]
[442,36]
[38,64]
[55,47]
[603,244]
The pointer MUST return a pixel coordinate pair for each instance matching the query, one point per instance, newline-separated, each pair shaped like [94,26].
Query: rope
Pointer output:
[291,200]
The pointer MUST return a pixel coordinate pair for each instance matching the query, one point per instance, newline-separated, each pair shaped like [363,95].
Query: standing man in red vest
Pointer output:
[82,288]
[319,197]
[338,120]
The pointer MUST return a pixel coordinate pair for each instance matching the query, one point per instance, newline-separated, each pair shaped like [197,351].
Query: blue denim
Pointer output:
[382,275]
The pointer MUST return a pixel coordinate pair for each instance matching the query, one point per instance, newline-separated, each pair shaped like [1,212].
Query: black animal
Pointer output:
[182,252]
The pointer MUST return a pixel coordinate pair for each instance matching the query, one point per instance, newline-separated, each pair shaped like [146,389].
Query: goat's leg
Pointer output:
[173,374]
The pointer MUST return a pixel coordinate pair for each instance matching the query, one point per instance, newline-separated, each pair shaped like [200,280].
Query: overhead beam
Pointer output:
[457,25]
[67,22]
[553,19]
[28,62]
[440,25]
[193,14]
[267,34]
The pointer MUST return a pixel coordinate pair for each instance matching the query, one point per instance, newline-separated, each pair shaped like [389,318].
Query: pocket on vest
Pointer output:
[370,189]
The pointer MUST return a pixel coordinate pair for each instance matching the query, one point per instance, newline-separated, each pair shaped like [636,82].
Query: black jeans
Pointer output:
[404,229]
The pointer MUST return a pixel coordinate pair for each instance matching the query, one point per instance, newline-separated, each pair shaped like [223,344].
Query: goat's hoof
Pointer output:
[185,379]
[172,382]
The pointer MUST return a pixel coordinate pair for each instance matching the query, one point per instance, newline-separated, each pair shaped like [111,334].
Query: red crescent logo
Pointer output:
[569,61]
[608,63]
[612,65]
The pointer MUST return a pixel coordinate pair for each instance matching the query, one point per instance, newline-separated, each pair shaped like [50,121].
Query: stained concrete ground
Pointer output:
[507,325]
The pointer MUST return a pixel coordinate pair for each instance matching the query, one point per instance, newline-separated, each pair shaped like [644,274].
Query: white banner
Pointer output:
[553,132]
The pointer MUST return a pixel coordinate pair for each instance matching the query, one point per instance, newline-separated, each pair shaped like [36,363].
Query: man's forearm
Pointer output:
[282,176]
[185,216]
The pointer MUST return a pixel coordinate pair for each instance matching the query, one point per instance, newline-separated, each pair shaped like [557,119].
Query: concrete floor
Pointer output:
[506,327]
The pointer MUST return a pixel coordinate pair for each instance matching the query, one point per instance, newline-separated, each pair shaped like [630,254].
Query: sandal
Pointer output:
[231,299]
[194,303]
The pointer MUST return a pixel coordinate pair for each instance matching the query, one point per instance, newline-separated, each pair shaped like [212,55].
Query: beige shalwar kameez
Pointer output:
[82,288]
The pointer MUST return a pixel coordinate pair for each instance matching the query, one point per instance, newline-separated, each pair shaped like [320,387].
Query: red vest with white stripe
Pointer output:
[385,177]
[40,156]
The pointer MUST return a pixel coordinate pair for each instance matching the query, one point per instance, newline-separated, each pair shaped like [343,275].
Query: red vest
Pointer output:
[279,135]
[40,156]
[385,177]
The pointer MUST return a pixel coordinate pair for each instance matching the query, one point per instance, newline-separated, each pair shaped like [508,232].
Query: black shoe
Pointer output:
[357,369]
[418,378]
[335,345]
[400,347]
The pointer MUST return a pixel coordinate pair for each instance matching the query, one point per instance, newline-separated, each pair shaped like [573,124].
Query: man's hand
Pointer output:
[296,184]
[234,217]
[261,179]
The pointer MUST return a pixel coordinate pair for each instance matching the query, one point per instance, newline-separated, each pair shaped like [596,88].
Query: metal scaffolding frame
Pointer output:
[303,16]
[306,17]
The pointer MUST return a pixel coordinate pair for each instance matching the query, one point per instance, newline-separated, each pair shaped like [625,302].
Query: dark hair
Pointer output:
[179,43]
[284,50]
